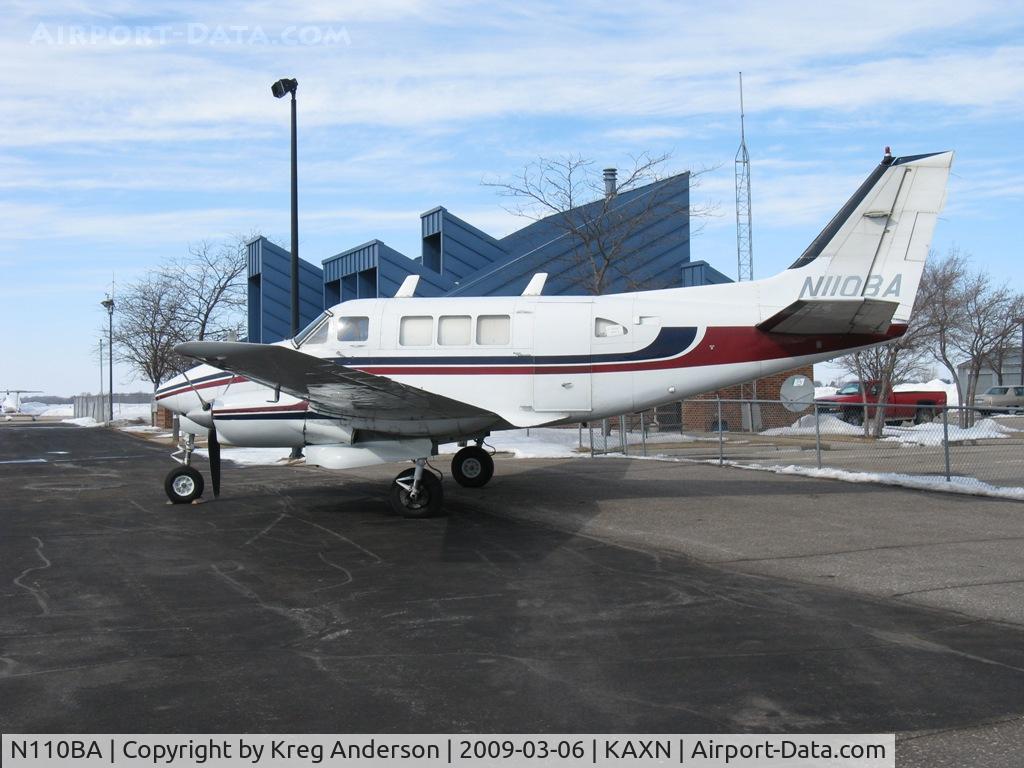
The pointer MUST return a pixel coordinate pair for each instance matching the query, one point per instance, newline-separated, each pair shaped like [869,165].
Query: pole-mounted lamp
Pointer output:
[280,89]
[108,304]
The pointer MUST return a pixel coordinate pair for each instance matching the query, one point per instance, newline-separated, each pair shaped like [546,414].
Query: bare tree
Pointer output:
[988,315]
[1006,335]
[970,320]
[890,364]
[148,325]
[941,306]
[211,281]
[604,231]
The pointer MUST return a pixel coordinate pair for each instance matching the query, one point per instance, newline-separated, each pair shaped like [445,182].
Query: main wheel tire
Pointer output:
[183,484]
[472,467]
[428,501]
[925,413]
[854,416]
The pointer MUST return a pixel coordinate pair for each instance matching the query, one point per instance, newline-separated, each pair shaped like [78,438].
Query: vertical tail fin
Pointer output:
[876,246]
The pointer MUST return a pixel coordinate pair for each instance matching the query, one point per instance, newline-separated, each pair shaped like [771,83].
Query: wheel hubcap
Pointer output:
[183,485]
[471,467]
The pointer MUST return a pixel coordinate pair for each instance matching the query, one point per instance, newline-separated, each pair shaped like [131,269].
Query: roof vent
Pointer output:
[609,182]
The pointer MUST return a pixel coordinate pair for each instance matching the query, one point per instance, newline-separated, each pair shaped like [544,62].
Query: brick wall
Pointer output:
[696,416]
[163,418]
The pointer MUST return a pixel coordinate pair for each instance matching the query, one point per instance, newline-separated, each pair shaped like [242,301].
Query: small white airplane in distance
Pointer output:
[11,406]
[380,380]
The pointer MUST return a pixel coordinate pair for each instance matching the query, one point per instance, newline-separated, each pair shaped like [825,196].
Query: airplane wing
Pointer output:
[329,387]
[815,317]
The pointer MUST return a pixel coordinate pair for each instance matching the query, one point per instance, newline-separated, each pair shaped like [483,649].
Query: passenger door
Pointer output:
[561,347]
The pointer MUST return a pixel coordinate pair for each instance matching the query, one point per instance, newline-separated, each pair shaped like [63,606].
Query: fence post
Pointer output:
[643,433]
[945,442]
[580,441]
[817,436]
[721,435]
[590,434]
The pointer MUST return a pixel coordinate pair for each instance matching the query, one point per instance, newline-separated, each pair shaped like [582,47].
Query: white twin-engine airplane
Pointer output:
[380,380]
[11,406]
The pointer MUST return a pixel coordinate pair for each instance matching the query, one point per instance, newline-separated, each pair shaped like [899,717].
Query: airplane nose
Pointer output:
[177,396]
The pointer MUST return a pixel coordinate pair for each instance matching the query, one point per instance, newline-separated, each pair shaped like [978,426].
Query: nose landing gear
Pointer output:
[184,484]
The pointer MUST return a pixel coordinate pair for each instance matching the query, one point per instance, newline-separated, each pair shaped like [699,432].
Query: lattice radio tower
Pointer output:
[744,235]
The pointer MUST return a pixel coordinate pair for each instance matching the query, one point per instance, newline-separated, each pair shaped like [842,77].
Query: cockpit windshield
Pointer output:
[307,333]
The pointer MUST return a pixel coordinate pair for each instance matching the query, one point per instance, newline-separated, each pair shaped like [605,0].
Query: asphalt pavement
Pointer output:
[577,595]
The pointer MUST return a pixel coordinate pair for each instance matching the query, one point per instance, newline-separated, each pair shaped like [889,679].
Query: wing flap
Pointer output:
[331,388]
[817,317]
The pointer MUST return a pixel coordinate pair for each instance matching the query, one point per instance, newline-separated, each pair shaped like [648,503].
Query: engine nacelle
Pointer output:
[368,454]
[279,430]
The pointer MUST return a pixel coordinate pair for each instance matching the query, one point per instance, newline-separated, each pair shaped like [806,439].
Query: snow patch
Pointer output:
[964,485]
[828,424]
[83,421]
[251,457]
[932,434]
[543,443]
[931,386]
[61,410]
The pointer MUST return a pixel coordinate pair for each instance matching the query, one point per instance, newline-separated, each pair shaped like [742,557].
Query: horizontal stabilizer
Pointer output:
[817,317]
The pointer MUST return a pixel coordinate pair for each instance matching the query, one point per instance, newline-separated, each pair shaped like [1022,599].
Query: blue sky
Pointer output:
[129,129]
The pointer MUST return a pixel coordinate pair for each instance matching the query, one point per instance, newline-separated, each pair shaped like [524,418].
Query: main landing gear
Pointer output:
[417,492]
[472,467]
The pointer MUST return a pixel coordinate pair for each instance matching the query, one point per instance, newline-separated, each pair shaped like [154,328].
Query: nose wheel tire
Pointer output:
[183,485]
[472,467]
[426,503]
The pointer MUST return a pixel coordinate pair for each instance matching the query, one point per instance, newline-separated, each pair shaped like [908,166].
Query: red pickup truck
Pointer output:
[918,405]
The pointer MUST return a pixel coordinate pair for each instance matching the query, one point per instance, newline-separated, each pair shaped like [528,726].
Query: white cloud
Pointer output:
[408,75]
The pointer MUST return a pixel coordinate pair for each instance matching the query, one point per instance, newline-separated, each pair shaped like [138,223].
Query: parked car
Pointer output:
[1001,399]
[918,405]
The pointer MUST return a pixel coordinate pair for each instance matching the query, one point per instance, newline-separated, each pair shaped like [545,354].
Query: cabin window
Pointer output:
[492,330]
[603,327]
[353,328]
[454,330]
[416,331]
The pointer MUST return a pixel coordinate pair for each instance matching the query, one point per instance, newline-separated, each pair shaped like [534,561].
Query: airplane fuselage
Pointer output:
[529,360]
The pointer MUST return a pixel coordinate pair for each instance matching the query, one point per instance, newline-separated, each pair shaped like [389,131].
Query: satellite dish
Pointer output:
[797,393]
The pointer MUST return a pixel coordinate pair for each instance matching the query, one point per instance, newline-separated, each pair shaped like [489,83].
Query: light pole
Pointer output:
[108,303]
[279,89]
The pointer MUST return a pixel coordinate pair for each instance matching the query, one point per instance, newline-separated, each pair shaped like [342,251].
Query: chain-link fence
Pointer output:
[948,443]
[98,408]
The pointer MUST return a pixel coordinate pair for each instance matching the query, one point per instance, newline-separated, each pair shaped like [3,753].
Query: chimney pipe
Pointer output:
[609,182]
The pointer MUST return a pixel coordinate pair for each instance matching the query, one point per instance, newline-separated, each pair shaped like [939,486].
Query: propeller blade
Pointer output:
[213,447]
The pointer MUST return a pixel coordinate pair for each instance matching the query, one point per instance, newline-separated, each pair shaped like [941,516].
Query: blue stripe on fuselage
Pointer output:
[668,343]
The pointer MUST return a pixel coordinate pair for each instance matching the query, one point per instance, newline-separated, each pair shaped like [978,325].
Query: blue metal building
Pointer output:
[649,226]
[270,292]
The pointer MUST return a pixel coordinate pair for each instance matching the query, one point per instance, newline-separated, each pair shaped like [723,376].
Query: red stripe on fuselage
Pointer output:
[720,346]
[205,385]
